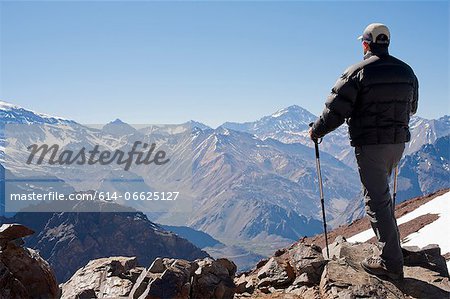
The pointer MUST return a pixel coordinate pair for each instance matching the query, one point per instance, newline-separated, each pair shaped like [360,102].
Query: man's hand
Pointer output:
[312,135]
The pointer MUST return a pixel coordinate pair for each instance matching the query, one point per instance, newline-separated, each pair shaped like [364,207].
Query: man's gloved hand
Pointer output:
[313,136]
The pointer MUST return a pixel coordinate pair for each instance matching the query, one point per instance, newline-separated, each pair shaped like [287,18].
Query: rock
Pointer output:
[12,231]
[275,273]
[118,277]
[343,277]
[174,282]
[91,235]
[429,255]
[23,273]
[334,248]
[308,262]
[11,287]
[212,279]
[245,284]
[229,265]
[157,266]
[141,284]
[113,276]
[426,274]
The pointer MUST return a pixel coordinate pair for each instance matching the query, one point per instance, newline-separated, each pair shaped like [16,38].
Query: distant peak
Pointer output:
[292,108]
[197,124]
[8,106]
[117,121]
[13,108]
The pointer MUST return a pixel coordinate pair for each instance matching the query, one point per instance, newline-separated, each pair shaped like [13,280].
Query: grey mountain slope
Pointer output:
[423,172]
[254,186]
[426,170]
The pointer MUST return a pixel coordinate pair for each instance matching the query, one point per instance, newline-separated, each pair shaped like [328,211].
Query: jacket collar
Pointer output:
[376,52]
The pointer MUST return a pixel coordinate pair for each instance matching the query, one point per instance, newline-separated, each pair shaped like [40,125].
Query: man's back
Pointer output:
[387,96]
[376,97]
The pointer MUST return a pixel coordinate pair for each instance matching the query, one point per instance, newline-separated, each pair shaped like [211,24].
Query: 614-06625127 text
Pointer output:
[97,195]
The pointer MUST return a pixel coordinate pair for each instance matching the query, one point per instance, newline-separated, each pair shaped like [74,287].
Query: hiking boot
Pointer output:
[375,266]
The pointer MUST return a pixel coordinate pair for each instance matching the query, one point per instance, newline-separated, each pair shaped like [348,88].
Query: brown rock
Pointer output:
[110,277]
[213,280]
[24,269]
[245,284]
[308,263]
[11,287]
[12,231]
[157,266]
[343,277]
[275,273]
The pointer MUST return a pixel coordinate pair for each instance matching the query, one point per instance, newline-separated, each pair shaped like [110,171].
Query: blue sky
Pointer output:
[169,62]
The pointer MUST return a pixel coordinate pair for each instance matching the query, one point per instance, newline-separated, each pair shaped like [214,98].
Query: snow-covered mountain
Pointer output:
[248,183]
[291,125]
[290,120]
[426,131]
[10,113]
[243,187]
[426,170]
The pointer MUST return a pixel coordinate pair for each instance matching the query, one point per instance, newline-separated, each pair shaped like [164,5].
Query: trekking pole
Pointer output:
[395,184]
[319,176]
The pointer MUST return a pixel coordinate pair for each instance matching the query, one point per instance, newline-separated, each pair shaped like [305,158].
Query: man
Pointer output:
[376,97]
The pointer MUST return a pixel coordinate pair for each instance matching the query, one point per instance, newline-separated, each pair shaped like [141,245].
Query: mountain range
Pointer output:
[254,184]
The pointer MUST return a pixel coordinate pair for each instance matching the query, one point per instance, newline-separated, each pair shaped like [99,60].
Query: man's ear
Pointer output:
[366,46]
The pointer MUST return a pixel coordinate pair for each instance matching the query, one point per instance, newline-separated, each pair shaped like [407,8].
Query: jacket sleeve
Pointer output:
[339,104]
[415,98]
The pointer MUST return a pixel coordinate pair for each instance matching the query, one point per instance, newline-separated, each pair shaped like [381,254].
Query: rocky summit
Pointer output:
[298,271]
[121,277]
[301,271]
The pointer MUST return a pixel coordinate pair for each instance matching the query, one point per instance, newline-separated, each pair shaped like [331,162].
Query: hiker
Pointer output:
[376,98]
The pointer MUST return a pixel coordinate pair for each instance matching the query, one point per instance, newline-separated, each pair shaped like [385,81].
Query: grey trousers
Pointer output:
[375,165]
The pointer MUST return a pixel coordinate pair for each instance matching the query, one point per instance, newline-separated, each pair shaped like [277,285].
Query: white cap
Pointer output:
[376,33]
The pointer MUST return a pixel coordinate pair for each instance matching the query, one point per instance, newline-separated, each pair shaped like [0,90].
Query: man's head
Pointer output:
[375,36]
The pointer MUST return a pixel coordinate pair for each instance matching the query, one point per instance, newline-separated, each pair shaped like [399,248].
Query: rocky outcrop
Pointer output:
[110,277]
[300,271]
[23,273]
[68,241]
[121,277]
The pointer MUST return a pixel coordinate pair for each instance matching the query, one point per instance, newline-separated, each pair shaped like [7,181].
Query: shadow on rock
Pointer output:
[420,289]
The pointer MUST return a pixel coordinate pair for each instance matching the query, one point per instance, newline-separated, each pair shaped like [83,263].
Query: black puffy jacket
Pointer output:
[376,97]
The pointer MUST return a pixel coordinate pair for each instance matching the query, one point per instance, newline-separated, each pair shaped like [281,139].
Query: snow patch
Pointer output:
[436,232]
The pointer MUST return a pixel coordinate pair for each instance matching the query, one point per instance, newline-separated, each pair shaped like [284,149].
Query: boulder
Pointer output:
[213,279]
[121,277]
[173,282]
[343,277]
[275,273]
[426,274]
[12,231]
[111,277]
[10,286]
[308,263]
[23,273]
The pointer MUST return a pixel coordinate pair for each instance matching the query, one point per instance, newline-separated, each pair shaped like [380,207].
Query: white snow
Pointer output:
[279,113]
[5,106]
[436,232]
